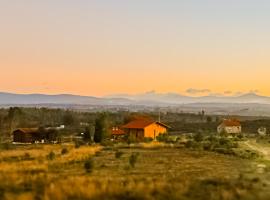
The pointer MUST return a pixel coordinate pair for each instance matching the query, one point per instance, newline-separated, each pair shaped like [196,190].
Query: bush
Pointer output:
[193,144]
[133,159]
[27,156]
[148,139]
[224,151]
[162,138]
[198,137]
[240,136]
[118,154]
[64,151]
[246,154]
[207,145]
[89,165]
[51,156]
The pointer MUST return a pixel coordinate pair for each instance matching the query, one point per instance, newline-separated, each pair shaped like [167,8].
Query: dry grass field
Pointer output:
[63,172]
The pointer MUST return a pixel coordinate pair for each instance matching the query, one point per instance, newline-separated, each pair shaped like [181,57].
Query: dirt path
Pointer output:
[264,150]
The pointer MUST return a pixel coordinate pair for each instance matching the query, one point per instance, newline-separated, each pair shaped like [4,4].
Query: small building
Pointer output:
[25,135]
[34,135]
[117,133]
[230,126]
[144,128]
[262,131]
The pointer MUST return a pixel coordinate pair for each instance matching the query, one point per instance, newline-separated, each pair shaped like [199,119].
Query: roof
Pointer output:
[231,122]
[27,130]
[117,131]
[141,124]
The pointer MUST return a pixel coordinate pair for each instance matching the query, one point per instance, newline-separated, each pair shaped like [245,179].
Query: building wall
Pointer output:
[154,130]
[230,129]
[135,134]
[22,137]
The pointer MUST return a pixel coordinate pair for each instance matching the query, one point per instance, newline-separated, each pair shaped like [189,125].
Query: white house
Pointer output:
[230,126]
[262,131]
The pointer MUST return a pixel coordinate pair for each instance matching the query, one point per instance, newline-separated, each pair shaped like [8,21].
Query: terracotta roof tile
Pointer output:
[117,131]
[141,123]
[231,122]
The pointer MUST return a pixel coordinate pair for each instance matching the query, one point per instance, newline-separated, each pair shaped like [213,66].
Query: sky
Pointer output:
[102,47]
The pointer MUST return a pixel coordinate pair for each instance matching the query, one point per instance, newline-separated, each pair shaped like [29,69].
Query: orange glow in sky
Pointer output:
[106,47]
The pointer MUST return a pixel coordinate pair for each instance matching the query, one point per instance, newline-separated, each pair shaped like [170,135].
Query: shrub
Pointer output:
[51,156]
[193,144]
[207,145]
[133,159]
[64,151]
[224,151]
[240,136]
[162,138]
[148,139]
[89,165]
[118,154]
[246,154]
[198,137]
[27,156]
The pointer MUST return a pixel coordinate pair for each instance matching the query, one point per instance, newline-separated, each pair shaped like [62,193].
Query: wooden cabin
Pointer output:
[34,135]
[25,135]
[144,128]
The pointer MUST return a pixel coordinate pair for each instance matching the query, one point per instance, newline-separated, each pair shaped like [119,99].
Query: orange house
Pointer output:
[142,128]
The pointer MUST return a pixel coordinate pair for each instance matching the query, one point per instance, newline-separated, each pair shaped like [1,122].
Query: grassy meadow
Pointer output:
[145,171]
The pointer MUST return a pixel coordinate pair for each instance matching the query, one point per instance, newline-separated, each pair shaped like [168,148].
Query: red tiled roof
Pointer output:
[140,124]
[231,122]
[117,131]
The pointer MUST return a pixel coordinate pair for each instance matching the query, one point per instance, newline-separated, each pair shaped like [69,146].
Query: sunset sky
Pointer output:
[101,47]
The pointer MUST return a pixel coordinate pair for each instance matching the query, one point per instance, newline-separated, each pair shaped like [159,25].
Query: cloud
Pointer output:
[197,91]
[245,92]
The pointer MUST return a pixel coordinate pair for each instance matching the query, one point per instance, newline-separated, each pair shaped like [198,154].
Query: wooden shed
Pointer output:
[32,135]
[26,135]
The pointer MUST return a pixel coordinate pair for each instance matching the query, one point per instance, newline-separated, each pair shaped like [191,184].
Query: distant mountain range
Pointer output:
[147,99]
[175,98]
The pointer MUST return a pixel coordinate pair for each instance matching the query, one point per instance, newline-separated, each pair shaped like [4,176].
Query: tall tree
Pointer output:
[68,118]
[13,112]
[87,134]
[101,128]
